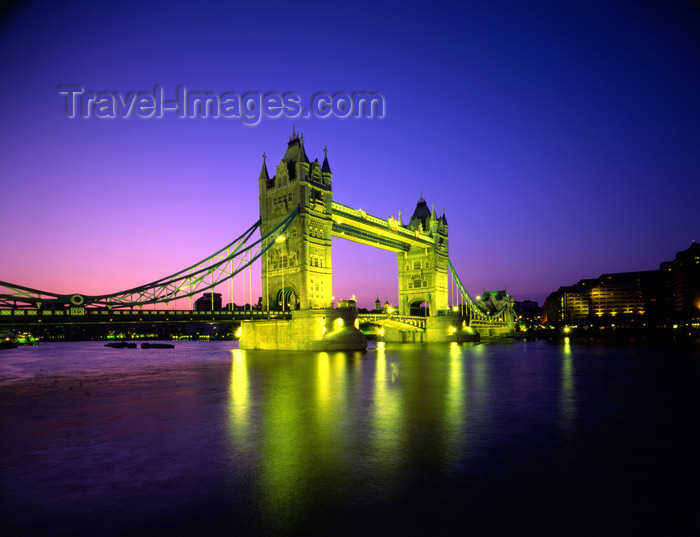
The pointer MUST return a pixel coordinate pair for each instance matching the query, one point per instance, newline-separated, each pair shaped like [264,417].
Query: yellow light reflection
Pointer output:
[239,399]
[478,379]
[568,393]
[304,436]
[387,418]
[479,368]
[323,378]
[329,408]
[284,458]
[456,401]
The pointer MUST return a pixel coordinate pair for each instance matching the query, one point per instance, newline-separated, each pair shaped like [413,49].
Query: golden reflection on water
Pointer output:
[304,438]
[478,380]
[296,421]
[285,460]
[567,345]
[323,379]
[568,389]
[330,406]
[387,415]
[239,399]
[456,401]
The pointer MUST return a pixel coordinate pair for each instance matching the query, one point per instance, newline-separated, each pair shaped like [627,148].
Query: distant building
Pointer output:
[208,302]
[567,304]
[624,293]
[644,299]
[685,283]
[528,312]
[624,298]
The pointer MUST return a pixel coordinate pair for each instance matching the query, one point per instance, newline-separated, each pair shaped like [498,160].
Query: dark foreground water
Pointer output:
[488,439]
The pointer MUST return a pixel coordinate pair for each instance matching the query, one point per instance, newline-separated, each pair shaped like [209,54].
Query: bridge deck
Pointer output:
[80,315]
[410,323]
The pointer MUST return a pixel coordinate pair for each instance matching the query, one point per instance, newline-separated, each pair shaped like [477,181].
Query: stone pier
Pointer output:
[309,330]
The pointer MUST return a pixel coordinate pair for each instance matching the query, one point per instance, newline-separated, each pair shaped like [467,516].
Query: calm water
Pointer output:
[514,438]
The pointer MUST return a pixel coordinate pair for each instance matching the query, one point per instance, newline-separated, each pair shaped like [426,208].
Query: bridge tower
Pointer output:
[423,270]
[297,270]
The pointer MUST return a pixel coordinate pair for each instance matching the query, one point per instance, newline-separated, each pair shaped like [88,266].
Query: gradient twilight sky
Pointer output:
[561,138]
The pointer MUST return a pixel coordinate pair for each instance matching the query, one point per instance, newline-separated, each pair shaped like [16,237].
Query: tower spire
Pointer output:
[295,135]
[263,170]
[325,167]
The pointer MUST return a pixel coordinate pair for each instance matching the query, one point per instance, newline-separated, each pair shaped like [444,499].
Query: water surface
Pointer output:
[491,439]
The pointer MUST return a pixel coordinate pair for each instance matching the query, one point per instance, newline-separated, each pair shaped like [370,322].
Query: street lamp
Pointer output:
[267,281]
[281,239]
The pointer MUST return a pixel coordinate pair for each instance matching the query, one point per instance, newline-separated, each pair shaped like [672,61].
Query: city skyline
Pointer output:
[560,141]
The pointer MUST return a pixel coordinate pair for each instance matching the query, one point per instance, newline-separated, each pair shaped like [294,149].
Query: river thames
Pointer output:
[518,438]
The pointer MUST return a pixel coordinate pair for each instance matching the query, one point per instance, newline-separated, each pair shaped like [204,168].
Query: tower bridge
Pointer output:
[298,218]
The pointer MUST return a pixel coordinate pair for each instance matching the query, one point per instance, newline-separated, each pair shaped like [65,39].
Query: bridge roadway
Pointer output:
[405,323]
[414,323]
[105,316]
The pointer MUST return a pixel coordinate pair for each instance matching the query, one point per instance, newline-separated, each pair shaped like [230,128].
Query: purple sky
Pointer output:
[562,139]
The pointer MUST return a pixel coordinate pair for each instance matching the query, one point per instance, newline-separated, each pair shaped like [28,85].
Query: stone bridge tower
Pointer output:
[423,271]
[297,270]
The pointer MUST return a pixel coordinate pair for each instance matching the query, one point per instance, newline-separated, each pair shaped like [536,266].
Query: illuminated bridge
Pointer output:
[292,239]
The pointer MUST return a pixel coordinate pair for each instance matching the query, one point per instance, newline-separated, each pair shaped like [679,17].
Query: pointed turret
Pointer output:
[421,215]
[295,149]
[325,168]
[263,171]
[302,153]
[433,220]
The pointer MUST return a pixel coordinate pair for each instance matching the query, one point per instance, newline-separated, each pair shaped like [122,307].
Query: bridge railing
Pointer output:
[407,321]
[28,312]
[152,315]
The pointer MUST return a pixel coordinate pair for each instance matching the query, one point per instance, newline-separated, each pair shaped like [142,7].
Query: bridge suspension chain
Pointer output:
[223,265]
[477,312]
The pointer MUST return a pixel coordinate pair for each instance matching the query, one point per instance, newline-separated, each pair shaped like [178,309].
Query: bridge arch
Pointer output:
[419,307]
[286,298]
